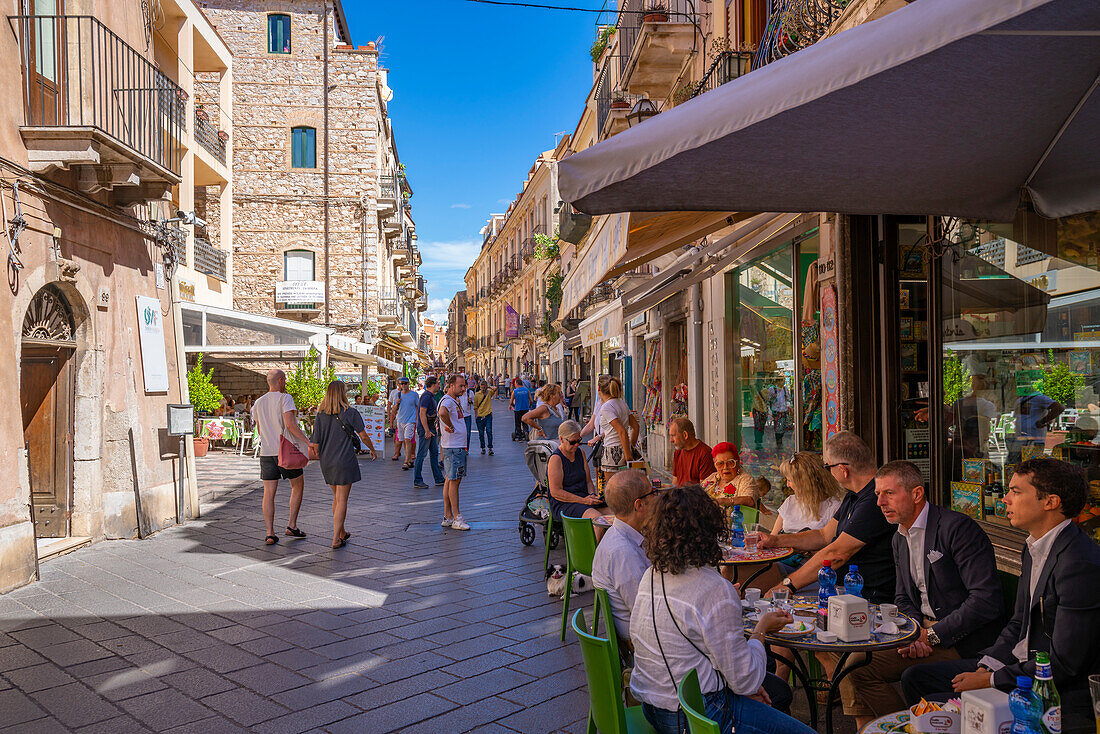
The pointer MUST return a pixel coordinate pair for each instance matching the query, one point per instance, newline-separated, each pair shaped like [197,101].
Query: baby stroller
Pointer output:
[536,508]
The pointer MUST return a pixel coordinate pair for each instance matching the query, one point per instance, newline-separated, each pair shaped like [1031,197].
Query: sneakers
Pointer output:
[490,452]
[483,452]
[459,524]
[419,485]
[447,522]
[440,484]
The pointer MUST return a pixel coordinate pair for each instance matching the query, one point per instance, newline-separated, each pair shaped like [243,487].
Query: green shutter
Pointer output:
[303,147]
[278,34]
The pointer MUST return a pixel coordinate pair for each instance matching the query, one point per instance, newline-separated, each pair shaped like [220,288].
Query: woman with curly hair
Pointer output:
[687,616]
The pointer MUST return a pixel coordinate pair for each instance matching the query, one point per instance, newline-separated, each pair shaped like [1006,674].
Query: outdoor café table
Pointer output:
[908,630]
[894,723]
[765,557]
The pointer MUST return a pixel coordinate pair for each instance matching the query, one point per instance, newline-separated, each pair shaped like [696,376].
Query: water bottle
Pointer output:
[737,528]
[1050,703]
[826,582]
[853,582]
[1024,706]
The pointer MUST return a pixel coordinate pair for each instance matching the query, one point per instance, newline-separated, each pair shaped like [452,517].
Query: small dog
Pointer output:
[555,581]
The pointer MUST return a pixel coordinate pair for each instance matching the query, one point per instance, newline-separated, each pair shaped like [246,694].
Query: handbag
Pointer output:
[356,443]
[290,456]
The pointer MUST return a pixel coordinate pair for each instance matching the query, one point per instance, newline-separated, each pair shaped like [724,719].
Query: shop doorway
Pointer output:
[46,396]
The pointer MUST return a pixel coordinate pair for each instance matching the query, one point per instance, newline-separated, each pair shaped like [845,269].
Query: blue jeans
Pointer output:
[728,710]
[485,430]
[469,426]
[429,446]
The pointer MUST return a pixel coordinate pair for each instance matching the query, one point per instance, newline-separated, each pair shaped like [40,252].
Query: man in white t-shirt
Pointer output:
[274,412]
[453,441]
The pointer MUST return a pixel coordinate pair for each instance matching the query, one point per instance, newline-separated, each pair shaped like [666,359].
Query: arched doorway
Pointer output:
[46,391]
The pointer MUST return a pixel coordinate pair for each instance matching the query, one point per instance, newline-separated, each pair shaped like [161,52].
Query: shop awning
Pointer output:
[241,335]
[346,349]
[952,107]
[607,323]
[392,344]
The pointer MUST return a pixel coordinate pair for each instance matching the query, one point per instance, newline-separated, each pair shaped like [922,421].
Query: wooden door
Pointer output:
[45,398]
[45,62]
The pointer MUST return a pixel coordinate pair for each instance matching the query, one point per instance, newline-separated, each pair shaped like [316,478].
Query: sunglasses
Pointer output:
[652,491]
[572,442]
[839,463]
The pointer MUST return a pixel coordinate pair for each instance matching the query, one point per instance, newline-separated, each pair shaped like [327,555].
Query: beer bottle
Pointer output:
[1050,703]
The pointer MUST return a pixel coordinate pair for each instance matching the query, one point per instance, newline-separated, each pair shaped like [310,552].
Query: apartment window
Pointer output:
[278,34]
[303,147]
[298,265]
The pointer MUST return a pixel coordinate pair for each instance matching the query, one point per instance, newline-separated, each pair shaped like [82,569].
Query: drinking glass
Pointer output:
[783,594]
[752,537]
[1094,689]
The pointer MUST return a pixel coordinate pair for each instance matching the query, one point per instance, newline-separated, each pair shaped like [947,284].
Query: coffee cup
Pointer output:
[763,606]
[752,596]
[888,611]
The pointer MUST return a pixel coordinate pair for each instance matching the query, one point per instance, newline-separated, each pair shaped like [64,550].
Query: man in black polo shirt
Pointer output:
[858,532]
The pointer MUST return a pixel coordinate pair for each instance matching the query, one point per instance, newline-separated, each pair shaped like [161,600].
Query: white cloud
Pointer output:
[445,265]
[460,206]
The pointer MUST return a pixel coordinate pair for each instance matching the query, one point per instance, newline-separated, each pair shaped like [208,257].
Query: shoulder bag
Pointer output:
[290,456]
[356,442]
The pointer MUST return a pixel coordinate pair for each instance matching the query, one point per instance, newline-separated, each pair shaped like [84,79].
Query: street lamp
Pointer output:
[642,110]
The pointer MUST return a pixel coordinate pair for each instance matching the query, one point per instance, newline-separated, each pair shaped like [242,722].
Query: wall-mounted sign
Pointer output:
[511,321]
[299,291]
[604,325]
[187,290]
[154,357]
[103,298]
[637,321]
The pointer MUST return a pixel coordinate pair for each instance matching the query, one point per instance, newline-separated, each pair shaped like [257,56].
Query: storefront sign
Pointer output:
[388,364]
[187,291]
[511,321]
[615,342]
[557,350]
[299,291]
[826,267]
[830,377]
[637,321]
[154,357]
[606,247]
[604,325]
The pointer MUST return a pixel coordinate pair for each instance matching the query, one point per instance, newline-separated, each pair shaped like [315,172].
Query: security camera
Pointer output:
[190,218]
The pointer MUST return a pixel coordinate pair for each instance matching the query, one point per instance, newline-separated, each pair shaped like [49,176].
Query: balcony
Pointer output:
[208,136]
[95,106]
[613,102]
[726,67]
[387,308]
[392,226]
[655,43]
[210,260]
[388,197]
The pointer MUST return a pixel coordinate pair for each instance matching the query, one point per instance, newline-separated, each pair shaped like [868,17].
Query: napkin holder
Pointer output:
[850,618]
[985,711]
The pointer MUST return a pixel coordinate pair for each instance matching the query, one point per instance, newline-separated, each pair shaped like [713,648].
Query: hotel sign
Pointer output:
[300,291]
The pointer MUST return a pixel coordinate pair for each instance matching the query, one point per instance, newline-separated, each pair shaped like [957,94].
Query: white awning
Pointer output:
[607,323]
[606,245]
[224,331]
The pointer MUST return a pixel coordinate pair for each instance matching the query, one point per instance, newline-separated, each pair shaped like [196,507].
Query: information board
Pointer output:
[374,418]
[154,358]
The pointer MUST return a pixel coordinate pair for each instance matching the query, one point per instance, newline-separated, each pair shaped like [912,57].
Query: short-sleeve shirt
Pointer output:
[691,466]
[456,440]
[523,398]
[406,407]
[427,401]
[860,517]
[609,411]
[797,519]
[267,412]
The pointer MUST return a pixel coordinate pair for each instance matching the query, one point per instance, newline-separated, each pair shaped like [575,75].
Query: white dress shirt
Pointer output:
[914,538]
[1039,548]
[707,610]
[617,568]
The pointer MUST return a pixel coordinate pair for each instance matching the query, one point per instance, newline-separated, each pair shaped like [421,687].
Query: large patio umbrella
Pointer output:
[951,107]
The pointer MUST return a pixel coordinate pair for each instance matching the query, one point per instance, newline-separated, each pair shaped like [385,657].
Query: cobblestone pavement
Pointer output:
[203,628]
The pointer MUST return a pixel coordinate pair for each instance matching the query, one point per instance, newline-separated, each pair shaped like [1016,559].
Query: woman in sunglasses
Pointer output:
[728,485]
[572,492]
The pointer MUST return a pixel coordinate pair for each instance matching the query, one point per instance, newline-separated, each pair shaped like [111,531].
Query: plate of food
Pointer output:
[796,628]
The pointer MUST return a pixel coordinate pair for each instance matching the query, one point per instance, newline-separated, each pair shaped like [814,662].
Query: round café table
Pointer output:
[908,630]
[894,723]
[736,558]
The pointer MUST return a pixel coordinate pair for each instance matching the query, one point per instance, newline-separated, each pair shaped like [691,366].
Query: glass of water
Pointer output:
[1094,689]
[752,537]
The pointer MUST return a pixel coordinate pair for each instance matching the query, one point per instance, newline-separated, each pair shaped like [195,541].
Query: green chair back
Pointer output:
[691,701]
[580,549]
[601,613]
[601,668]
[750,515]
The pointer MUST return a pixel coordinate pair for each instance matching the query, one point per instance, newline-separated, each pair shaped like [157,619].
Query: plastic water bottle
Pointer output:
[737,528]
[826,581]
[1050,703]
[853,582]
[1025,707]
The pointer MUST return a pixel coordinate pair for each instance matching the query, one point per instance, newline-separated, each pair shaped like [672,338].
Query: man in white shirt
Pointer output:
[275,413]
[453,442]
[619,561]
[1057,602]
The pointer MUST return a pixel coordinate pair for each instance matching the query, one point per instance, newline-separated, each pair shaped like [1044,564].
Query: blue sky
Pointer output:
[479,91]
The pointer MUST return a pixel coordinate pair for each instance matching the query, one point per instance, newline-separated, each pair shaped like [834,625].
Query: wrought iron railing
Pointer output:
[207,135]
[795,24]
[387,305]
[633,13]
[210,259]
[387,186]
[78,73]
[609,92]
[726,67]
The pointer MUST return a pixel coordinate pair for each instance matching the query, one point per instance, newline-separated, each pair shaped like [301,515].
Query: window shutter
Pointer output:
[298,265]
[303,144]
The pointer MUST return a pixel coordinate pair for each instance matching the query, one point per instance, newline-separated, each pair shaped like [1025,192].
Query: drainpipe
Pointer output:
[324,17]
[696,390]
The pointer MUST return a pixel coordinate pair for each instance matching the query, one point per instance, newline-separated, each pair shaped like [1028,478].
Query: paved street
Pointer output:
[202,628]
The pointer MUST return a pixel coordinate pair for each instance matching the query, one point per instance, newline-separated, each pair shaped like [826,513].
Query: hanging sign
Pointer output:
[154,357]
[511,321]
[830,377]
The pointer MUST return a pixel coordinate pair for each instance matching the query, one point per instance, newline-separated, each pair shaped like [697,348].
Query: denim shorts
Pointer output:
[454,463]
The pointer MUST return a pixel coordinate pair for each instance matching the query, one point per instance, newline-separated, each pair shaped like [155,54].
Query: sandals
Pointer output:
[341,544]
[294,532]
[271,540]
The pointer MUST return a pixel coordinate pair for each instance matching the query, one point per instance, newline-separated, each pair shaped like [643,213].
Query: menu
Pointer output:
[374,418]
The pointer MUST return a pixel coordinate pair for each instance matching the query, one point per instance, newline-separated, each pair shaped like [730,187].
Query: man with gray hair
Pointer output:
[620,562]
[275,414]
[858,532]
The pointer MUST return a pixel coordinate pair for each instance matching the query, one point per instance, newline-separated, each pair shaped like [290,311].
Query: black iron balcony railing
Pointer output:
[609,94]
[207,135]
[387,186]
[210,259]
[795,24]
[634,13]
[387,305]
[78,73]
[726,67]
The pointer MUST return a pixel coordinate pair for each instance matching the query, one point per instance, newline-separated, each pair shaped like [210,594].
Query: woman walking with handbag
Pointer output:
[335,440]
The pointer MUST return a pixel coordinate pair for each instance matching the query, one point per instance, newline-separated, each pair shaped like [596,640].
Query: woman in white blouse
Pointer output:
[816,495]
[687,616]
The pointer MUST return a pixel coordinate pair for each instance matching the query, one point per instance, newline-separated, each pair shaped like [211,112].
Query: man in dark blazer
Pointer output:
[946,580]
[1057,605]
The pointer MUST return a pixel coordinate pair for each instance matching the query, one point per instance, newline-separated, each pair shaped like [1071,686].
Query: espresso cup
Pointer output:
[752,596]
[889,611]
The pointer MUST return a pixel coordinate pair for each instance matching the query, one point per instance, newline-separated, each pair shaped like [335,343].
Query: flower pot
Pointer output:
[223,136]
[658,16]
[202,114]
[201,446]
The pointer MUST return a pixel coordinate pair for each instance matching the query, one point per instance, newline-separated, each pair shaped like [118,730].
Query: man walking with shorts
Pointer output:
[453,422]
[275,415]
[405,411]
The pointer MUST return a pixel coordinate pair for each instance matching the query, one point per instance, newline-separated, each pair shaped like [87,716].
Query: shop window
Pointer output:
[1020,317]
[303,147]
[298,265]
[278,34]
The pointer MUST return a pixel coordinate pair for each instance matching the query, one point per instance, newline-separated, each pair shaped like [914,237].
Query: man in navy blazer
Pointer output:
[946,580]
[1057,605]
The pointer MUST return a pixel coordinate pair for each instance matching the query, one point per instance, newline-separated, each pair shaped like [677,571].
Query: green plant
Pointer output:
[306,385]
[1058,382]
[683,93]
[602,39]
[956,379]
[202,391]
[546,246]
[553,290]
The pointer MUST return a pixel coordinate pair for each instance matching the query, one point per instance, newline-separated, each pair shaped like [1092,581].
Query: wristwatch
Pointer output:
[789,584]
[933,638]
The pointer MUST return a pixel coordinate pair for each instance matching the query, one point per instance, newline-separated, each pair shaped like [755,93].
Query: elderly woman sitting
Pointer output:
[572,492]
[730,486]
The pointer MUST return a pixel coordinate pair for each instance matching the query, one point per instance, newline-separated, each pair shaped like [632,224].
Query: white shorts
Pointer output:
[406,431]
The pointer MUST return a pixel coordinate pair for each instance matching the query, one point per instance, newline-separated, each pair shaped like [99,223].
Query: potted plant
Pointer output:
[201,113]
[620,103]
[600,44]
[205,396]
[656,13]
[223,135]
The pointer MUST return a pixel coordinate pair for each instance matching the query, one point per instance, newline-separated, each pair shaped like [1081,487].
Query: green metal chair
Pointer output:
[549,535]
[749,515]
[580,548]
[691,701]
[607,713]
